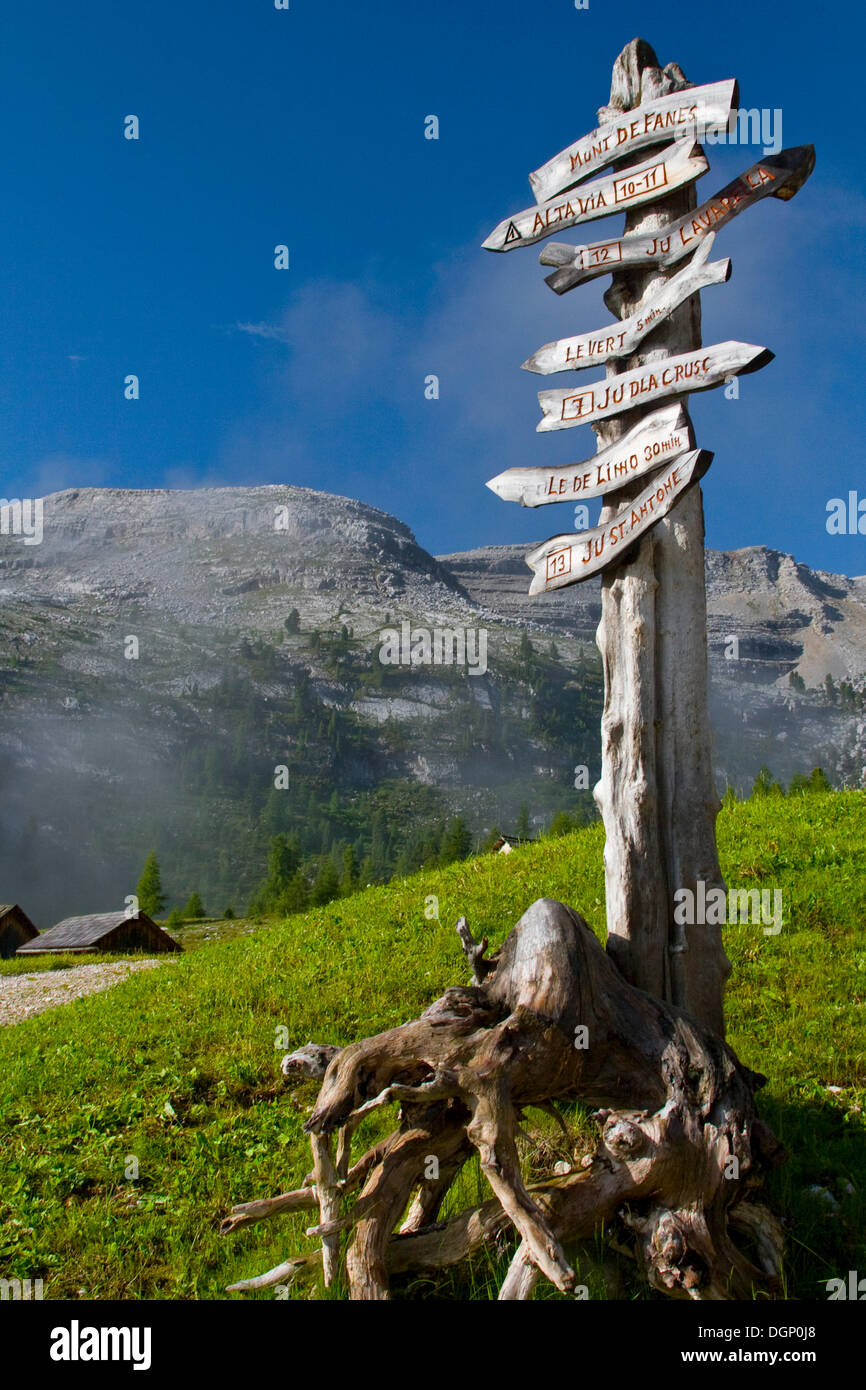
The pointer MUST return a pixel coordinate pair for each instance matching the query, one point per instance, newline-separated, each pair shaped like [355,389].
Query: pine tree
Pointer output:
[524,828]
[456,841]
[766,784]
[350,871]
[296,896]
[194,908]
[149,890]
[283,858]
[562,824]
[326,884]
[819,782]
[282,862]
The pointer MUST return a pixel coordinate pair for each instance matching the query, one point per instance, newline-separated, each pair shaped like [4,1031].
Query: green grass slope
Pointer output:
[133,1120]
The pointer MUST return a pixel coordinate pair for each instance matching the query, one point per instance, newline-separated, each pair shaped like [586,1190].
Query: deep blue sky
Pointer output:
[306,127]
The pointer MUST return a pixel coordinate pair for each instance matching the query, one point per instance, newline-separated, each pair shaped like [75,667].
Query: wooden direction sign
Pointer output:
[615,192]
[655,440]
[779,176]
[697,370]
[621,339]
[689,112]
[565,560]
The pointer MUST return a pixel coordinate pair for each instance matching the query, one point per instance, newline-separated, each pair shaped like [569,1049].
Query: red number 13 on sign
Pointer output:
[559,562]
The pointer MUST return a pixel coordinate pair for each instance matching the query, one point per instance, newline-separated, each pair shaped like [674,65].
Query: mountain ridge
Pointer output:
[257,616]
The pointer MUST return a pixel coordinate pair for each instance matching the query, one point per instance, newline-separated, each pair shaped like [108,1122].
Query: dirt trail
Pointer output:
[21,996]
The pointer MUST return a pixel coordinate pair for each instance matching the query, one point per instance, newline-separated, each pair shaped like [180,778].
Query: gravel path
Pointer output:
[24,995]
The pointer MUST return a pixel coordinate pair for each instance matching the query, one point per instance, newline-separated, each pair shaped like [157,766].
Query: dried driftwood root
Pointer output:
[550,1018]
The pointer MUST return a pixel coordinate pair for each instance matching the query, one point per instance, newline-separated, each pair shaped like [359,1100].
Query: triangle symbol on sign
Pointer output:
[512,234]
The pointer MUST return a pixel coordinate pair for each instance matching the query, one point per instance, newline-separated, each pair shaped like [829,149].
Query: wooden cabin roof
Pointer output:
[76,932]
[13,907]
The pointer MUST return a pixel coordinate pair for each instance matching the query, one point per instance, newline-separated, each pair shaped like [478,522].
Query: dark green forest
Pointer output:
[315,801]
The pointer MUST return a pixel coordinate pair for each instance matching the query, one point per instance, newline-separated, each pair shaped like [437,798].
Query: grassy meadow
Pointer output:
[131,1121]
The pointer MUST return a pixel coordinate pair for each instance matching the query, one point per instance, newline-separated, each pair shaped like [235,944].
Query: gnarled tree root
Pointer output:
[550,1018]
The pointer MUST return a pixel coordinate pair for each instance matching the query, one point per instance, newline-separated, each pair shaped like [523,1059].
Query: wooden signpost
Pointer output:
[778,176]
[635,1029]
[656,439]
[594,349]
[692,371]
[684,162]
[656,793]
[681,114]
[564,560]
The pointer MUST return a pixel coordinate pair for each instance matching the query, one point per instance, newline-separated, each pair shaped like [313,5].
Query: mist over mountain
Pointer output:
[164,653]
[785,617]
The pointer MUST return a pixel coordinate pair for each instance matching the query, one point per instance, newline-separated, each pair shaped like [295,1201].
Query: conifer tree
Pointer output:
[456,842]
[326,884]
[350,870]
[296,896]
[766,784]
[149,891]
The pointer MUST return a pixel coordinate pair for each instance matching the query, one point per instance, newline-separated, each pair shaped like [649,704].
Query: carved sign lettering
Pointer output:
[779,176]
[621,339]
[565,560]
[672,117]
[615,192]
[697,370]
[655,440]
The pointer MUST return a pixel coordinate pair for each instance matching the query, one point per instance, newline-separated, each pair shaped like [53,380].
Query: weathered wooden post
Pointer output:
[656,793]
[552,1016]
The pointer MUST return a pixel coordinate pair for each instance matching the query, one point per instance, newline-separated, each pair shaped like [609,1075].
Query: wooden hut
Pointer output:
[16,929]
[102,931]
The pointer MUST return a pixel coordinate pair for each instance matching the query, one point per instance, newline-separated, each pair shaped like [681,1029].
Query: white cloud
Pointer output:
[339,336]
[263,330]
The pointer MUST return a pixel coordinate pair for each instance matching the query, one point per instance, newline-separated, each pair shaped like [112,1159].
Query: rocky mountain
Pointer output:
[785,618]
[198,671]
